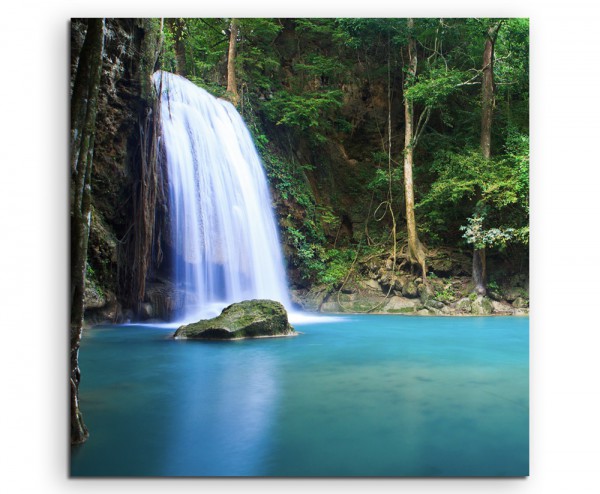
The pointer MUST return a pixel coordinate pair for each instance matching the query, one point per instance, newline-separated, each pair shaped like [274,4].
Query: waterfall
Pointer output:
[221,215]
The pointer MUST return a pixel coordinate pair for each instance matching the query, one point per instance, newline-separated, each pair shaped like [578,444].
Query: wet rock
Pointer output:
[410,290]
[400,305]
[512,294]
[494,295]
[463,305]
[387,280]
[331,306]
[93,297]
[520,303]
[399,283]
[349,288]
[434,304]
[425,293]
[481,306]
[247,319]
[310,300]
[502,308]
[372,285]
[109,313]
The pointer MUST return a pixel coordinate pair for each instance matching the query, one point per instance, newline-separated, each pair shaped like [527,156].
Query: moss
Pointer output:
[149,52]
[402,310]
[248,319]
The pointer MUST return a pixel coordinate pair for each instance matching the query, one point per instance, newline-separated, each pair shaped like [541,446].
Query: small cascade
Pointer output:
[224,234]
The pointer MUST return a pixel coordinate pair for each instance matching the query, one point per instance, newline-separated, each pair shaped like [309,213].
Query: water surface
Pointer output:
[359,396]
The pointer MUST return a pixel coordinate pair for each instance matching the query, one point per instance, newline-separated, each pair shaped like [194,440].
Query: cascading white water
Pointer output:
[225,237]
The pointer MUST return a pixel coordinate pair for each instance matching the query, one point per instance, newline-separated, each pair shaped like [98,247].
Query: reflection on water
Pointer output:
[363,396]
[225,416]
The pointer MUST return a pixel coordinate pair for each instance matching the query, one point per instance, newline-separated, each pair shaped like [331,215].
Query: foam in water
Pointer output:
[221,214]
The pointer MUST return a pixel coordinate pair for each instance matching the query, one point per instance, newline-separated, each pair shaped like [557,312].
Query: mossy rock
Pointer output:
[425,293]
[311,300]
[400,305]
[410,290]
[93,297]
[403,310]
[247,319]
[520,303]
[463,305]
[433,304]
[511,294]
[481,306]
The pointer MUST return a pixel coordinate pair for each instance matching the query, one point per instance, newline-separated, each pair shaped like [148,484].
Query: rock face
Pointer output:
[247,319]
[481,306]
[407,294]
[312,299]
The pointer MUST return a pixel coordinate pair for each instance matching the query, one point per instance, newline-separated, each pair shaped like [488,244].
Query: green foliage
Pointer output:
[212,87]
[91,279]
[257,61]
[476,235]
[89,272]
[167,54]
[517,160]
[320,264]
[493,286]
[289,179]
[445,294]
[322,84]
[321,66]
[497,190]
[337,263]
[312,110]
[206,45]
[432,89]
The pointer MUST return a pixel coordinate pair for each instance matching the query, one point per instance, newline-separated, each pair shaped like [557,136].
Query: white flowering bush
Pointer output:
[480,237]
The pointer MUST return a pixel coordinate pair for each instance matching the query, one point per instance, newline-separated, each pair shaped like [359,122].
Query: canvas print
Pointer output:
[299,247]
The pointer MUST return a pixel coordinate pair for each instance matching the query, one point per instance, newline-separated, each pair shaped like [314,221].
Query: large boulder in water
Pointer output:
[247,319]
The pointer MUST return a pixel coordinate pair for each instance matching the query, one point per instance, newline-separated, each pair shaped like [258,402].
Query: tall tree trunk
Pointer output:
[479,271]
[415,248]
[487,110]
[84,107]
[487,91]
[231,80]
[178,28]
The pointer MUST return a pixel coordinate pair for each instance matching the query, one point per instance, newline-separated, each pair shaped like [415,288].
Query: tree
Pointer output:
[84,108]
[487,109]
[231,79]
[416,251]
[178,29]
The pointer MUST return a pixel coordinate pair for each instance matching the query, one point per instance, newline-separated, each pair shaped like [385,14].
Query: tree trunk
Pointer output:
[415,248]
[487,109]
[231,80]
[487,92]
[479,271]
[84,106]
[178,27]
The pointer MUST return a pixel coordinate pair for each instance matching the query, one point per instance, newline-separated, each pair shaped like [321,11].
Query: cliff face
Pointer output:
[124,107]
